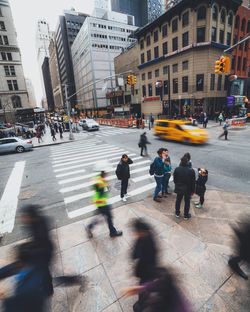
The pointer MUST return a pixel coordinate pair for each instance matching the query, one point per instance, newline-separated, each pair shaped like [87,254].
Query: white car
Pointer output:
[14,144]
[89,124]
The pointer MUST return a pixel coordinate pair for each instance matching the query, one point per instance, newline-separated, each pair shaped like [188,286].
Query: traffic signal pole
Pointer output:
[236,44]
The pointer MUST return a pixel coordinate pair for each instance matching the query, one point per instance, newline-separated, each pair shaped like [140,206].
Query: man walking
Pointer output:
[184,180]
[225,129]
[60,131]
[100,198]
[143,143]
[123,174]
[53,133]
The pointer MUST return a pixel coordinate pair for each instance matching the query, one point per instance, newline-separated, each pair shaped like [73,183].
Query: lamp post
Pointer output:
[68,105]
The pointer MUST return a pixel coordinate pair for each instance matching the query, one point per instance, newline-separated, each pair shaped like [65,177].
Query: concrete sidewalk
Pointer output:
[198,250]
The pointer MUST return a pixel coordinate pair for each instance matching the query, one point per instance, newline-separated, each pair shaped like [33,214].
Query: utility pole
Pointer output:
[71,136]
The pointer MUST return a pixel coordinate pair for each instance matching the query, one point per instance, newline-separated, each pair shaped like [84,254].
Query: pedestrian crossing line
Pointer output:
[115,199]
[75,148]
[79,151]
[84,170]
[65,181]
[89,183]
[74,198]
[86,158]
[110,132]
[85,155]
[90,163]
[74,145]
[142,178]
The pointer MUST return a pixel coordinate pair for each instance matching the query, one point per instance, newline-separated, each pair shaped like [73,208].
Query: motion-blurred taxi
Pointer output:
[180,131]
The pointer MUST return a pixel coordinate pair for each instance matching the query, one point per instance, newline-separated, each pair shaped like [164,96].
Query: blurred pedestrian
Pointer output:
[220,118]
[60,131]
[143,143]
[205,120]
[53,133]
[123,174]
[56,127]
[167,174]
[39,135]
[184,180]
[100,198]
[200,186]
[188,156]
[225,129]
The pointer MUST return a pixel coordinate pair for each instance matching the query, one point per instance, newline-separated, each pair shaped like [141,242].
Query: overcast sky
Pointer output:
[26,13]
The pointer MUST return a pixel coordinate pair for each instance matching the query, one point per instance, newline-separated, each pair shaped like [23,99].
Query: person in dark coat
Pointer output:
[60,128]
[200,186]
[143,143]
[53,133]
[242,247]
[184,180]
[123,174]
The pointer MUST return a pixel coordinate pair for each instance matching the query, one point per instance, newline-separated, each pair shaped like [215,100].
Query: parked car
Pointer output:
[89,124]
[15,145]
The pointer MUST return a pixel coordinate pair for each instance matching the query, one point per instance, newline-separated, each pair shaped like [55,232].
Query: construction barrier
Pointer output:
[120,122]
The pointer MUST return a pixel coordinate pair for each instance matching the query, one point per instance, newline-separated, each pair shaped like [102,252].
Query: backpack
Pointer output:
[152,168]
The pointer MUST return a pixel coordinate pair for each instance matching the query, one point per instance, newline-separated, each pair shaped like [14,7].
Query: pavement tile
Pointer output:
[216,304]
[97,295]
[127,303]
[101,228]
[59,300]
[79,259]
[115,307]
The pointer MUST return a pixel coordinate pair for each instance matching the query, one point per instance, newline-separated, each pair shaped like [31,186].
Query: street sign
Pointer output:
[230,101]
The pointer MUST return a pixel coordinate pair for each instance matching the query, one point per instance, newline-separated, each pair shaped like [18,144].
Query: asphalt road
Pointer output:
[228,163]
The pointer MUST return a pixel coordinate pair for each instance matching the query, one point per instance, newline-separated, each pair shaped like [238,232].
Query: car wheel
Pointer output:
[20,149]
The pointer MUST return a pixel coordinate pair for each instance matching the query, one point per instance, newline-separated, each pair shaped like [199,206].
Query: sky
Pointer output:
[26,13]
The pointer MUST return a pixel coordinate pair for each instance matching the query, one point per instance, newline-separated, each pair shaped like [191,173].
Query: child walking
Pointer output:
[200,188]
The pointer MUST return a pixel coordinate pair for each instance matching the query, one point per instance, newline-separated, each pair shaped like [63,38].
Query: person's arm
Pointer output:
[192,181]
[175,176]
[130,161]
[9,270]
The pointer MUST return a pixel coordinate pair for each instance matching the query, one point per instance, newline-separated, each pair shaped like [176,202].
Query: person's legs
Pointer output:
[105,211]
[178,204]
[167,181]
[158,187]
[202,199]
[164,185]
[146,150]
[142,148]
[187,198]
[225,133]
[124,186]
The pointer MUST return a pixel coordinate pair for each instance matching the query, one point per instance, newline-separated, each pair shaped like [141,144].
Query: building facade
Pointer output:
[67,29]
[31,93]
[48,85]
[93,51]
[13,91]
[178,52]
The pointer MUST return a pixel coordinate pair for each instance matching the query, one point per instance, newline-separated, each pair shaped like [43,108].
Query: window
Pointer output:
[148,40]
[221,39]
[215,13]
[164,30]
[241,45]
[156,52]
[233,62]
[246,45]
[237,22]
[185,84]
[165,86]
[230,19]
[214,34]
[15,84]
[156,36]
[5,39]
[150,90]
[16,101]
[158,90]
[243,25]
[142,58]
[185,39]
[1,106]
[175,44]
[10,86]
[219,82]
[149,75]
[244,66]
[2,26]
[175,85]
[228,39]
[7,71]
[225,83]
[3,55]
[142,44]
[200,82]
[165,70]
[222,16]
[235,39]
[175,25]
[1,14]
[1,40]
[212,82]
[185,65]
[143,90]
[149,55]
[248,27]
[201,13]
[185,19]
[175,68]
[165,48]
[201,34]
[143,76]
[157,73]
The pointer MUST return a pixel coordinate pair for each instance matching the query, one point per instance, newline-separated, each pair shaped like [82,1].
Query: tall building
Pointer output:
[13,91]
[48,84]
[93,51]
[67,29]
[31,93]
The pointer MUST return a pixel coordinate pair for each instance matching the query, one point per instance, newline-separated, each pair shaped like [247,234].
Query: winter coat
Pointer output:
[123,170]
[143,140]
[184,180]
[158,166]
[200,187]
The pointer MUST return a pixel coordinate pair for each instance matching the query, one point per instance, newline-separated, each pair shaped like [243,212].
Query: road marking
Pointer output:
[112,200]
[69,147]
[9,200]
[142,178]
[74,149]
[73,198]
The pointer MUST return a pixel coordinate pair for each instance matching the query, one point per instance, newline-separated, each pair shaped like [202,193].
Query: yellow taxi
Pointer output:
[180,131]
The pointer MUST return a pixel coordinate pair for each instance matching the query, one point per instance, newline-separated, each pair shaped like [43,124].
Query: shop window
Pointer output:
[201,13]
[200,82]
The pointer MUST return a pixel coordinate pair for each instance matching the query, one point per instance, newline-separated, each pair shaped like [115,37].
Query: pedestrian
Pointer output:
[184,180]
[157,169]
[205,120]
[38,135]
[123,174]
[200,186]
[143,143]
[225,130]
[53,133]
[100,198]
[242,247]
[145,255]
[60,131]
[56,127]
[188,156]
[167,174]
[220,118]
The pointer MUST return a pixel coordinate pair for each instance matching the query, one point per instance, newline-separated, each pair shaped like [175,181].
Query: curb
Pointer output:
[58,143]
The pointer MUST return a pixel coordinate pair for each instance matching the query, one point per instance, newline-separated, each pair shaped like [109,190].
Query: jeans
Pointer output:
[124,187]
[179,198]
[106,212]
[165,182]
[159,183]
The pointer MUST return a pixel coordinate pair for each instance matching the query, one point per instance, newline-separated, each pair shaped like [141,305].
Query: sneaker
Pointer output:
[235,267]
[127,195]
[160,196]
[165,195]
[116,234]
[187,217]
[196,203]
[157,200]
[89,232]
[177,215]
[124,199]
[198,206]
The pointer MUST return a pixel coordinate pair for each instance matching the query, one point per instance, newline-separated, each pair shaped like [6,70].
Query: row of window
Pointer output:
[16,102]
[10,70]
[70,23]
[240,65]
[12,85]
[6,56]
[242,27]
[4,40]
[116,38]
[221,36]
[96,25]
[148,90]
[105,46]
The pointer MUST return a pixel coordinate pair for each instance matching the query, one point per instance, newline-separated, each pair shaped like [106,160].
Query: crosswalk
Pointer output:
[74,168]
[106,131]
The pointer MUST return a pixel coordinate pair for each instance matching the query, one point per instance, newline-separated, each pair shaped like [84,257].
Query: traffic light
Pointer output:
[222,66]
[217,67]
[227,65]
[129,79]
[133,79]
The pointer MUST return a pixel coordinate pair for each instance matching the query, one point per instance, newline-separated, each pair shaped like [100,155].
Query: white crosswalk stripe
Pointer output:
[74,167]
[106,131]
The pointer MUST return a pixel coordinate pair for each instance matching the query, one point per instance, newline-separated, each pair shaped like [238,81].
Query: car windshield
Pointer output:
[188,127]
